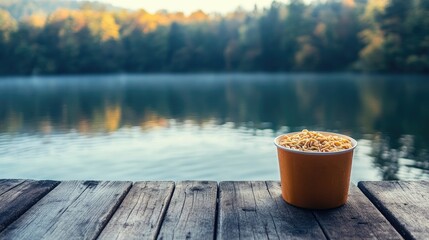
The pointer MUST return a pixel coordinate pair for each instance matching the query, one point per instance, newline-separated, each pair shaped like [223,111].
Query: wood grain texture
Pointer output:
[140,214]
[192,211]
[255,210]
[404,203]
[17,196]
[73,210]
[7,184]
[357,219]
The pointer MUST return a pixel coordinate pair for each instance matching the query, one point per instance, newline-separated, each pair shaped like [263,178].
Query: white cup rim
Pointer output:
[353,141]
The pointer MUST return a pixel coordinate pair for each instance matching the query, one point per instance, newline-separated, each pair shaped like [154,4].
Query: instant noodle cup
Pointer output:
[313,179]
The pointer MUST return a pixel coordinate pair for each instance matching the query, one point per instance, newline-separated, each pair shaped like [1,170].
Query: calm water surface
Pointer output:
[215,127]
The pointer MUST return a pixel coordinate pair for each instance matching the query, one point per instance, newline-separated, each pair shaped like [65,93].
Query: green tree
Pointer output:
[333,35]
[371,56]
[8,26]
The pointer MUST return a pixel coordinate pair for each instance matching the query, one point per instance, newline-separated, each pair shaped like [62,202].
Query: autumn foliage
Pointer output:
[373,35]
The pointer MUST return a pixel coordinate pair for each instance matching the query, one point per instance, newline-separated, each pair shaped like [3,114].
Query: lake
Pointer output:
[206,126]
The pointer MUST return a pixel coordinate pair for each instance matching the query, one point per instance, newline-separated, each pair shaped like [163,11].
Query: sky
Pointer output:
[188,6]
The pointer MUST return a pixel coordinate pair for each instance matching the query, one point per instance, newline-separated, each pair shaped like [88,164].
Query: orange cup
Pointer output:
[315,180]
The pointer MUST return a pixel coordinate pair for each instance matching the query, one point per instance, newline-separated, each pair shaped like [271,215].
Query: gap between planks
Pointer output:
[211,222]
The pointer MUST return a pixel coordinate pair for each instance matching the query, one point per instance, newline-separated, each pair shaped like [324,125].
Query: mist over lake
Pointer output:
[206,126]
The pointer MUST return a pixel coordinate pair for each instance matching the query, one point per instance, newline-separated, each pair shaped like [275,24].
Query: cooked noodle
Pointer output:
[309,141]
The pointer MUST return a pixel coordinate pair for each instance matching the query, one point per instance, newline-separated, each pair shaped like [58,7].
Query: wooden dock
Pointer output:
[205,210]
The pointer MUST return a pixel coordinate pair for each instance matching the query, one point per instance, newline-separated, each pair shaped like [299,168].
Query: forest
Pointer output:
[382,36]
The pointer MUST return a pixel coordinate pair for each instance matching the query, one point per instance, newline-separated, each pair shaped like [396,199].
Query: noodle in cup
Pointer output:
[315,168]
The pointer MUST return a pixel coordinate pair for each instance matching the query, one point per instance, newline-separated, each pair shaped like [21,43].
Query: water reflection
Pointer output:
[388,115]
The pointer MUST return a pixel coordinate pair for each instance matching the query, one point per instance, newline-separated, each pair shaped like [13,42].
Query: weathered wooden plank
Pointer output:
[7,184]
[357,219]
[140,214]
[192,211]
[73,210]
[255,210]
[17,196]
[404,203]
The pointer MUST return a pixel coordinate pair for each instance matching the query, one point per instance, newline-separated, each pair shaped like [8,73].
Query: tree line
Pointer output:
[333,35]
